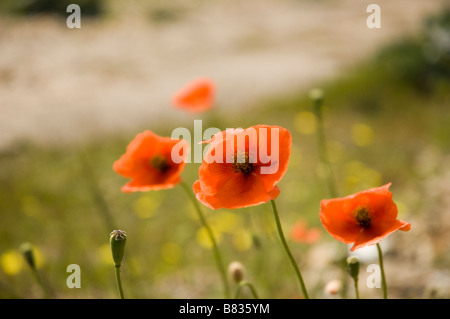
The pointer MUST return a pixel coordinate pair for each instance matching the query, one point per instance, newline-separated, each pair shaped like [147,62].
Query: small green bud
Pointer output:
[27,251]
[353,267]
[118,240]
[316,95]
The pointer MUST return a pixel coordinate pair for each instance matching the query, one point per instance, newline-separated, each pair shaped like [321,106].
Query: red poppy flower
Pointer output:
[197,96]
[242,167]
[302,234]
[150,164]
[364,218]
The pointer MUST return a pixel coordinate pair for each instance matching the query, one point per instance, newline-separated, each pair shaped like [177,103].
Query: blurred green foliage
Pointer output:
[58,7]
[421,62]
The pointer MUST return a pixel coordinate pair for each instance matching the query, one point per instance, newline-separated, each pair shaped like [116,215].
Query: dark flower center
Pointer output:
[363,217]
[242,164]
[160,163]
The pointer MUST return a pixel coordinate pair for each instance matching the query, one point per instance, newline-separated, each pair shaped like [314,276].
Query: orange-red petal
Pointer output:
[236,192]
[338,217]
[220,185]
[376,234]
[136,163]
[197,96]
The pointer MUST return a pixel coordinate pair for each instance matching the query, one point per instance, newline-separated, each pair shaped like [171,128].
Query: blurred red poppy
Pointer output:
[364,218]
[150,164]
[242,167]
[197,96]
[302,234]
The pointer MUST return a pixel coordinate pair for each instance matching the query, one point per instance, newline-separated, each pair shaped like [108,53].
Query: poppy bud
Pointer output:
[118,239]
[317,96]
[236,271]
[353,267]
[333,287]
[27,251]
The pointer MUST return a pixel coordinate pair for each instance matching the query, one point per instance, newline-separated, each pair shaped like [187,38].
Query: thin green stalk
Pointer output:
[208,229]
[97,195]
[383,277]
[356,288]
[322,147]
[317,99]
[249,285]
[119,282]
[28,253]
[286,248]
[353,271]
[40,283]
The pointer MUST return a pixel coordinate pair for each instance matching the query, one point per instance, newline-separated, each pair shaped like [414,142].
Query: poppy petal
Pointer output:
[226,182]
[277,158]
[236,192]
[364,218]
[376,234]
[197,96]
[137,165]
[337,221]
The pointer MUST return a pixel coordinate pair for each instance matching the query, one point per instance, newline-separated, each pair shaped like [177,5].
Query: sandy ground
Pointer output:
[59,85]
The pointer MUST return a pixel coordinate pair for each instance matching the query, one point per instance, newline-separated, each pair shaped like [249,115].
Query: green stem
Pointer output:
[208,229]
[322,149]
[356,289]
[40,283]
[286,248]
[97,195]
[324,159]
[119,282]
[249,285]
[383,277]
[28,254]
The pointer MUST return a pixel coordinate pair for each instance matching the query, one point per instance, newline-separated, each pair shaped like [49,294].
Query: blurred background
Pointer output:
[72,99]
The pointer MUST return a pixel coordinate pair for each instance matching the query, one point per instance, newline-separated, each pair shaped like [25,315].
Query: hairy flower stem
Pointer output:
[249,285]
[286,248]
[317,101]
[383,277]
[208,229]
[40,282]
[28,253]
[356,288]
[322,146]
[119,282]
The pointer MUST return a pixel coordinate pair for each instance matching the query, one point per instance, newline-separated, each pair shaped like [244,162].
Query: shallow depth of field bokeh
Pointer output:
[387,119]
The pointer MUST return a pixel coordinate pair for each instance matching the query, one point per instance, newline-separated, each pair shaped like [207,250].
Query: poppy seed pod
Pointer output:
[118,239]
